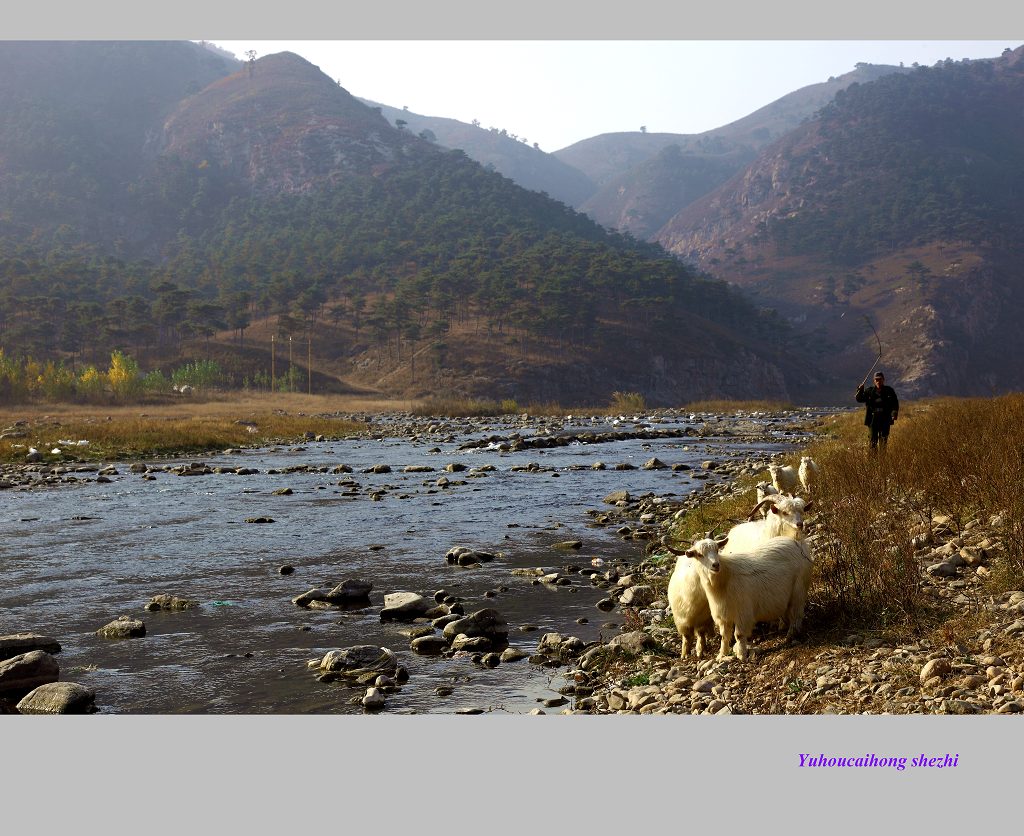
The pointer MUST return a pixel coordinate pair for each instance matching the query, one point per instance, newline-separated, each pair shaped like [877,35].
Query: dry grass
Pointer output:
[185,426]
[723,406]
[960,458]
[459,407]
[718,516]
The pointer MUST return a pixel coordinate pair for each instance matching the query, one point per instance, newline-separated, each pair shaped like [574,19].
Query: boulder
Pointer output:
[349,591]
[123,627]
[936,667]
[471,643]
[487,622]
[464,556]
[15,644]
[373,700]
[404,606]
[360,659]
[513,654]
[170,602]
[637,596]
[429,645]
[27,671]
[58,698]
[307,598]
[633,642]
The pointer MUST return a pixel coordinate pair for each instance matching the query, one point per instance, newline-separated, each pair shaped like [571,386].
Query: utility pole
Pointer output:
[291,376]
[273,378]
[309,362]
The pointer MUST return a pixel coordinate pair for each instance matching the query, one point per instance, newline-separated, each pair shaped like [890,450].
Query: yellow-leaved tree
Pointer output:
[123,376]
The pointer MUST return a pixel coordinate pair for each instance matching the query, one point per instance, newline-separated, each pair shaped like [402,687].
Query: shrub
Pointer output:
[628,402]
[57,382]
[200,374]
[156,382]
[92,385]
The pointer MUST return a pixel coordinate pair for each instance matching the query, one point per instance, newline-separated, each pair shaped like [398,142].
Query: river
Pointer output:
[76,556]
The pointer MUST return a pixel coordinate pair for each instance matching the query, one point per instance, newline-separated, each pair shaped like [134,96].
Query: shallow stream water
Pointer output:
[75,557]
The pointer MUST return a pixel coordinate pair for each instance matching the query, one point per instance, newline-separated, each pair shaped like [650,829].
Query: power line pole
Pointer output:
[309,362]
[273,377]
[291,375]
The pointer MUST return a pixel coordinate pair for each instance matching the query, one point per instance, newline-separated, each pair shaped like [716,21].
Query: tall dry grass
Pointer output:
[960,458]
[726,406]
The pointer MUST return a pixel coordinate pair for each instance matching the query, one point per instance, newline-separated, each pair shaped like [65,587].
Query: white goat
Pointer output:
[690,609]
[784,477]
[808,472]
[785,518]
[742,589]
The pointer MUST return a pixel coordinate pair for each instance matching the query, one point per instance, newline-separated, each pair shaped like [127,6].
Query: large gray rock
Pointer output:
[27,671]
[429,645]
[15,644]
[362,658]
[373,700]
[58,698]
[633,642]
[464,556]
[123,627]
[350,591]
[170,602]
[404,606]
[637,596]
[486,622]
[936,667]
[471,643]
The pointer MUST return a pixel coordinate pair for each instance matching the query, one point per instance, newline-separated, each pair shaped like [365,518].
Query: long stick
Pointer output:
[879,357]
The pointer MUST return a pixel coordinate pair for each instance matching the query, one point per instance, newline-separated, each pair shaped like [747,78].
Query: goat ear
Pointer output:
[721,543]
[807,506]
[775,509]
[692,553]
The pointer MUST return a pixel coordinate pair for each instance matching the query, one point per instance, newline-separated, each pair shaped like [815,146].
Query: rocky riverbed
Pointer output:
[639,672]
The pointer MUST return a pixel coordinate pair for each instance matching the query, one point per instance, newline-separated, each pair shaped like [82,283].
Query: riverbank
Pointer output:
[961,653]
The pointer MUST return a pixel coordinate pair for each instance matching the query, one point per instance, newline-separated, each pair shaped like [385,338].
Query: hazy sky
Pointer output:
[556,93]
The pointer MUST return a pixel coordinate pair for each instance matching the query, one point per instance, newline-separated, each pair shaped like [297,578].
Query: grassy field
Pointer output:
[183,426]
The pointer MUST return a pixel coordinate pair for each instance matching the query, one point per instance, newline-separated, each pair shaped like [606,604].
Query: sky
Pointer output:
[556,93]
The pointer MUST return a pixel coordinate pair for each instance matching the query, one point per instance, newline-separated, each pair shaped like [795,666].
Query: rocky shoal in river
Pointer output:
[512,433]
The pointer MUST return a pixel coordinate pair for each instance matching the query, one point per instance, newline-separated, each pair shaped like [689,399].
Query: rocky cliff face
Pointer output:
[894,208]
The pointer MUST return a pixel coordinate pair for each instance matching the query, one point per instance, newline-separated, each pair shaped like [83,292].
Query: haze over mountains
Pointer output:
[164,199]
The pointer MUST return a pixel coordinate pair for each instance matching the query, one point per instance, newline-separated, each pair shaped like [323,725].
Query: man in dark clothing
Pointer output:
[881,411]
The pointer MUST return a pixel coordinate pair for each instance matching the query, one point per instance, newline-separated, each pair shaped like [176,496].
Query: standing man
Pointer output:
[882,409]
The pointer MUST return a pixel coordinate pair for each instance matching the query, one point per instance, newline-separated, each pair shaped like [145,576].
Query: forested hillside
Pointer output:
[271,201]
